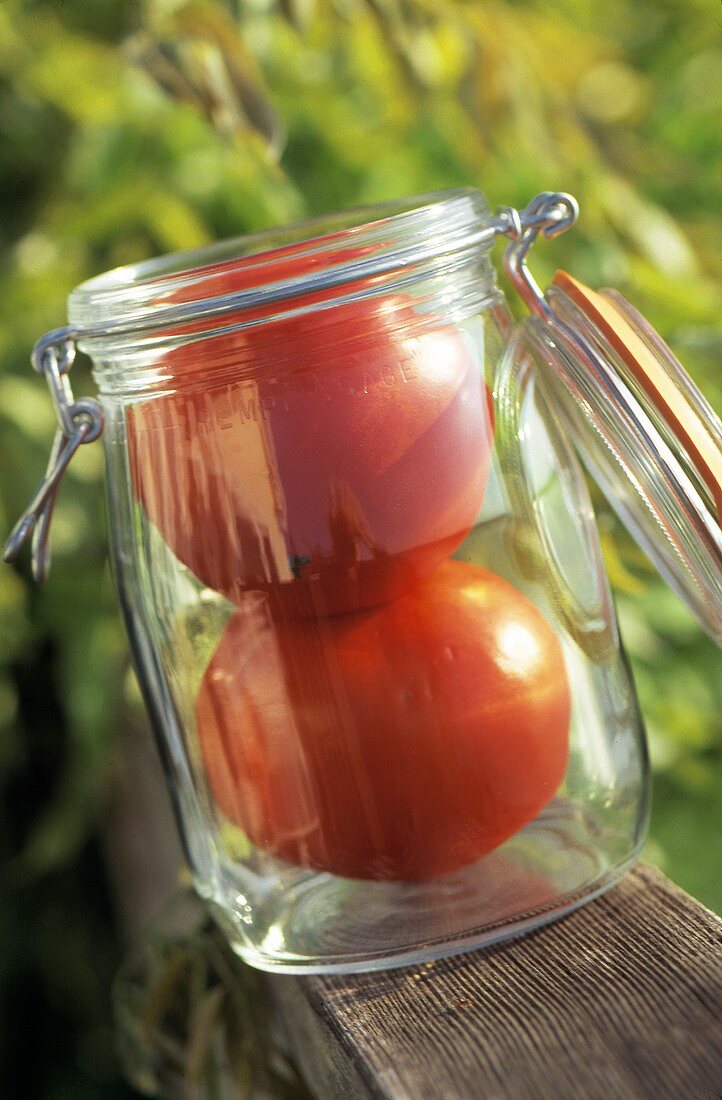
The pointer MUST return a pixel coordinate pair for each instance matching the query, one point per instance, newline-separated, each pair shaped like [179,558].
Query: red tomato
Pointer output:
[333,460]
[399,743]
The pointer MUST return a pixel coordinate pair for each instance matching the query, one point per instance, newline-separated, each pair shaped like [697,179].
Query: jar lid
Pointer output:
[644,431]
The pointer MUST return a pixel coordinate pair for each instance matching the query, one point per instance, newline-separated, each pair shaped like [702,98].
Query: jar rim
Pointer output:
[397,235]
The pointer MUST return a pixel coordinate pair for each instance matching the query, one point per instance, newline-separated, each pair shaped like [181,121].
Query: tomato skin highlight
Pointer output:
[351,466]
[399,743]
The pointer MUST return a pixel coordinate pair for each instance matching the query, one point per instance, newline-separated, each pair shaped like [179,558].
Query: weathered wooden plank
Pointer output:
[621,1000]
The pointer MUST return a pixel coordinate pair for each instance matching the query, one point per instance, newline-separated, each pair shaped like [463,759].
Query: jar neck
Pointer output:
[419,263]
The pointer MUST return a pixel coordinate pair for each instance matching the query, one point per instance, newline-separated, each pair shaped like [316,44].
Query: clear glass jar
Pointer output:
[359,569]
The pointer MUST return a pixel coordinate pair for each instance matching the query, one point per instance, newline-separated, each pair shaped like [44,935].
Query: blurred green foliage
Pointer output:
[132,129]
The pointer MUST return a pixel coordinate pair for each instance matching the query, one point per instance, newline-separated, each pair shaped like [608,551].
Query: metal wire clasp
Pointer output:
[550,213]
[79,422]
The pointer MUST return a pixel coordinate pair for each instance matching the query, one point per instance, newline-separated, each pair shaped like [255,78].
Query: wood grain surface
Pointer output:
[621,1000]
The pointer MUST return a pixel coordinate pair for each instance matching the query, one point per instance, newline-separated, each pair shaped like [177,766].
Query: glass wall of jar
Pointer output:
[362,582]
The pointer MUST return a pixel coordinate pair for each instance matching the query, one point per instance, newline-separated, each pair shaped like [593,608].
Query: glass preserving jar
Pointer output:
[359,570]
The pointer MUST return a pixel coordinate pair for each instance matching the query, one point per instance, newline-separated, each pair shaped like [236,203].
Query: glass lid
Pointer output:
[644,431]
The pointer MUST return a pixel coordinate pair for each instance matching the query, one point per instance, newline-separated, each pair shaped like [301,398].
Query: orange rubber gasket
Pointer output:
[668,400]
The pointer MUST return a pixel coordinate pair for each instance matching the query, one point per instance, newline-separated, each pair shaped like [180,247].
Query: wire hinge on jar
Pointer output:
[550,213]
[81,421]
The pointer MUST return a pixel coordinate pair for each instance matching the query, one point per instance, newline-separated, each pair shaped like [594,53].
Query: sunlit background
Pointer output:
[128,130]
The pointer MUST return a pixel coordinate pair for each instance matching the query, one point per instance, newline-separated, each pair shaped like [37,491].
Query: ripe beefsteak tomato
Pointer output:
[402,742]
[329,459]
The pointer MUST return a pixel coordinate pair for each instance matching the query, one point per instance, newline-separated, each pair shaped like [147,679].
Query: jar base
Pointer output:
[470,941]
[329,925]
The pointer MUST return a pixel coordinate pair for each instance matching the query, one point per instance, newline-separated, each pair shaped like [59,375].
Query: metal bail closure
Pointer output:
[79,422]
[641,426]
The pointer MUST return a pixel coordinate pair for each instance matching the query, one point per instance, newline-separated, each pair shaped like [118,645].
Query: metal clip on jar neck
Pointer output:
[550,213]
[82,421]
[79,422]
